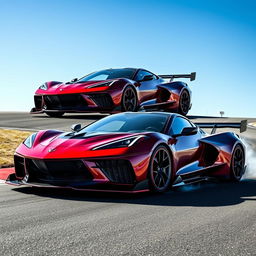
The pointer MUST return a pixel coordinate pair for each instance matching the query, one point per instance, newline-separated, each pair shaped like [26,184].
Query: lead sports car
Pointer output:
[114,90]
[130,152]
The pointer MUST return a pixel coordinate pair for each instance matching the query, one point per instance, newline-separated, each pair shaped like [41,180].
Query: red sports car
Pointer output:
[114,90]
[130,152]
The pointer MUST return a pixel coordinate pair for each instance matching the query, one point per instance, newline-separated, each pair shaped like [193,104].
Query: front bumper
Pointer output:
[79,174]
[140,187]
[80,102]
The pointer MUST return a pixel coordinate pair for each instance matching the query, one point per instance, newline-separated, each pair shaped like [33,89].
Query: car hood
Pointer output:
[64,88]
[67,146]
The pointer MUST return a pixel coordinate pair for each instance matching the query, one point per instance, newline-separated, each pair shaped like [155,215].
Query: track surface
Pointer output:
[206,219]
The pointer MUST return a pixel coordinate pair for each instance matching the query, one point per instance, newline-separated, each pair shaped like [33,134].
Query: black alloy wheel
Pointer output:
[129,99]
[237,166]
[184,103]
[160,170]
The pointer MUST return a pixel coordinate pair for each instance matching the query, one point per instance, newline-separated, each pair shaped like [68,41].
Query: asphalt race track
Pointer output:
[205,219]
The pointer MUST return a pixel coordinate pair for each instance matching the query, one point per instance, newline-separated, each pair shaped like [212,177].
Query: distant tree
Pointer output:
[222,113]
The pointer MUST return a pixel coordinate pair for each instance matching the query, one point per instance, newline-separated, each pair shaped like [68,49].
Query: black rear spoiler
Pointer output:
[191,76]
[242,126]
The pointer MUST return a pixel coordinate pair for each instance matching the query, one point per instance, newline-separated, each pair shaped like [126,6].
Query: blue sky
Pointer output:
[60,40]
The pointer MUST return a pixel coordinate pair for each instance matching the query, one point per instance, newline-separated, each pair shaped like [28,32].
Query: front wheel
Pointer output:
[184,103]
[237,165]
[55,114]
[129,100]
[160,170]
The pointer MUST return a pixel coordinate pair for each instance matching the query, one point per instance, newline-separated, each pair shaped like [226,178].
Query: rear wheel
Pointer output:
[237,166]
[184,102]
[55,114]
[160,170]
[129,100]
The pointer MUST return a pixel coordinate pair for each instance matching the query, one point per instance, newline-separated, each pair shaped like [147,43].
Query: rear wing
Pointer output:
[191,76]
[242,126]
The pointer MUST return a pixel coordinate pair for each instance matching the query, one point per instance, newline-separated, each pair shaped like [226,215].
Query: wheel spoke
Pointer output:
[238,162]
[161,169]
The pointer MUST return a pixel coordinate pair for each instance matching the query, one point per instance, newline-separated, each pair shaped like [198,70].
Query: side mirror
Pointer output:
[186,131]
[147,78]
[76,127]
[74,80]
[189,131]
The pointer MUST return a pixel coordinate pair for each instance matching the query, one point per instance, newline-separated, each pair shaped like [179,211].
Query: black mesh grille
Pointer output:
[103,100]
[119,171]
[38,102]
[51,171]
[64,101]
[19,166]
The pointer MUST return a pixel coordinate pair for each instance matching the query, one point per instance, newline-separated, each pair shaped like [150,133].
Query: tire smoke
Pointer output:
[250,172]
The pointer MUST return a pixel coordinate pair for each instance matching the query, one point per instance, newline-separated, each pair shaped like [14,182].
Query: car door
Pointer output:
[184,146]
[147,89]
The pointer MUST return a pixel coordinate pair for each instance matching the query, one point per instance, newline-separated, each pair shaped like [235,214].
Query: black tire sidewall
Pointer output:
[122,101]
[233,177]
[180,108]
[152,186]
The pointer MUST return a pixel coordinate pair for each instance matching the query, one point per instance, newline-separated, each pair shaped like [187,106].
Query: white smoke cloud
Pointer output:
[250,172]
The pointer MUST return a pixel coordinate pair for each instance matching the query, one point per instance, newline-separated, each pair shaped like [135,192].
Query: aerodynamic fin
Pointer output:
[242,126]
[191,76]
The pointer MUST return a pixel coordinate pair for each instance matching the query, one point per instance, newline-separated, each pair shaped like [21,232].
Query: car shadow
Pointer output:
[97,116]
[70,116]
[205,117]
[199,195]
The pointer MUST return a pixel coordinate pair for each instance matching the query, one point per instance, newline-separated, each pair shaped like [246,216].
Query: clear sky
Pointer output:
[60,39]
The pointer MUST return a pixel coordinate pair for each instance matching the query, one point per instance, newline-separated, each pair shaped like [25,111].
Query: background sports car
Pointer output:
[130,152]
[114,90]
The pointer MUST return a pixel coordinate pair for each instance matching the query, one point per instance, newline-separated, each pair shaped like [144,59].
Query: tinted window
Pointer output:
[140,75]
[129,122]
[109,74]
[178,124]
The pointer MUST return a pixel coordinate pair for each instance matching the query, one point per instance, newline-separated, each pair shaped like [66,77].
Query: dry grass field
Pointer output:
[9,141]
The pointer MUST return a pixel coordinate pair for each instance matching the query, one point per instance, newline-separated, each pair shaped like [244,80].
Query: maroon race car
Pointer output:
[115,90]
[130,152]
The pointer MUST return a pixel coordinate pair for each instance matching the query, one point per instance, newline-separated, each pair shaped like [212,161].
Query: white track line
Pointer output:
[2,182]
[253,125]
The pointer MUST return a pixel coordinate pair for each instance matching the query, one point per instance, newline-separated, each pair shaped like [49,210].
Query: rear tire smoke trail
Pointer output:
[250,172]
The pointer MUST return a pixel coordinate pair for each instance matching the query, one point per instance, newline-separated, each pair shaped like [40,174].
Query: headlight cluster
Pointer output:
[28,142]
[43,87]
[101,85]
[122,143]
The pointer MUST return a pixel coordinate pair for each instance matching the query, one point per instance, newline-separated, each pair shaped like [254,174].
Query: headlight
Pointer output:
[122,143]
[43,87]
[28,142]
[101,85]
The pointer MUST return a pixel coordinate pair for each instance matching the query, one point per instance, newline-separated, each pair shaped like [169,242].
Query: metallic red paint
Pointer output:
[193,156]
[154,94]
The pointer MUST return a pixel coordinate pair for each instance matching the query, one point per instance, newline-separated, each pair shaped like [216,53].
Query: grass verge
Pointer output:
[9,141]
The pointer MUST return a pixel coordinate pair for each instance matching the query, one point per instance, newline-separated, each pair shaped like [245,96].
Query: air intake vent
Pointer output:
[19,166]
[52,171]
[38,102]
[118,171]
[64,101]
[103,100]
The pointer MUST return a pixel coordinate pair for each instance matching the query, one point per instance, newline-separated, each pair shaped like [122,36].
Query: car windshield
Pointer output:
[128,122]
[109,74]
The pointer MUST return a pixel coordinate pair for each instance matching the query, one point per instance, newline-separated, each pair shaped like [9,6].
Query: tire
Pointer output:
[129,100]
[160,170]
[55,114]
[237,165]
[184,103]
